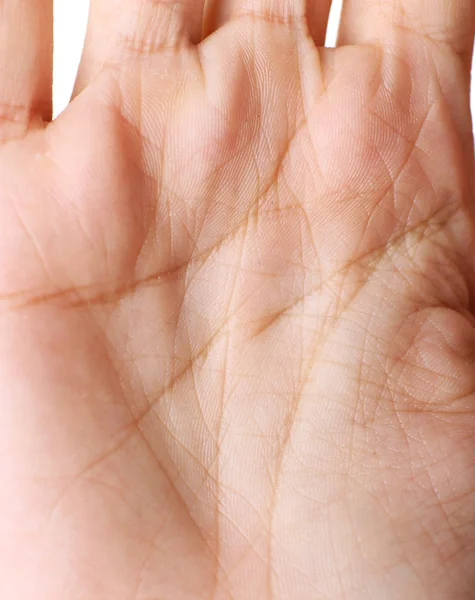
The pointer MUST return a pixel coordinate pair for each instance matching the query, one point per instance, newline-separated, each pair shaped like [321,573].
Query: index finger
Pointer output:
[445,22]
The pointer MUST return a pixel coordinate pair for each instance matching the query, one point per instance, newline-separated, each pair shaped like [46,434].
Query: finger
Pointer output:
[140,27]
[447,22]
[26,65]
[318,12]
[313,14]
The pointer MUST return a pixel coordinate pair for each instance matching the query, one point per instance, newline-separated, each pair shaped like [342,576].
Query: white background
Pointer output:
[70,26]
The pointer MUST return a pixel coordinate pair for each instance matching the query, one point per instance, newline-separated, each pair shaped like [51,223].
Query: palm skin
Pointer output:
[237,347]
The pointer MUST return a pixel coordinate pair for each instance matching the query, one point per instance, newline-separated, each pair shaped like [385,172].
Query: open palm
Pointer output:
[237,331]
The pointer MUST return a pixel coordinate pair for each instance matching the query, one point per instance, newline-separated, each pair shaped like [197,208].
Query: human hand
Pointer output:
[237,332]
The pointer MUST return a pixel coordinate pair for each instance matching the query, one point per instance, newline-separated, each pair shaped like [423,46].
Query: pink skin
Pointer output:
[237,329]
